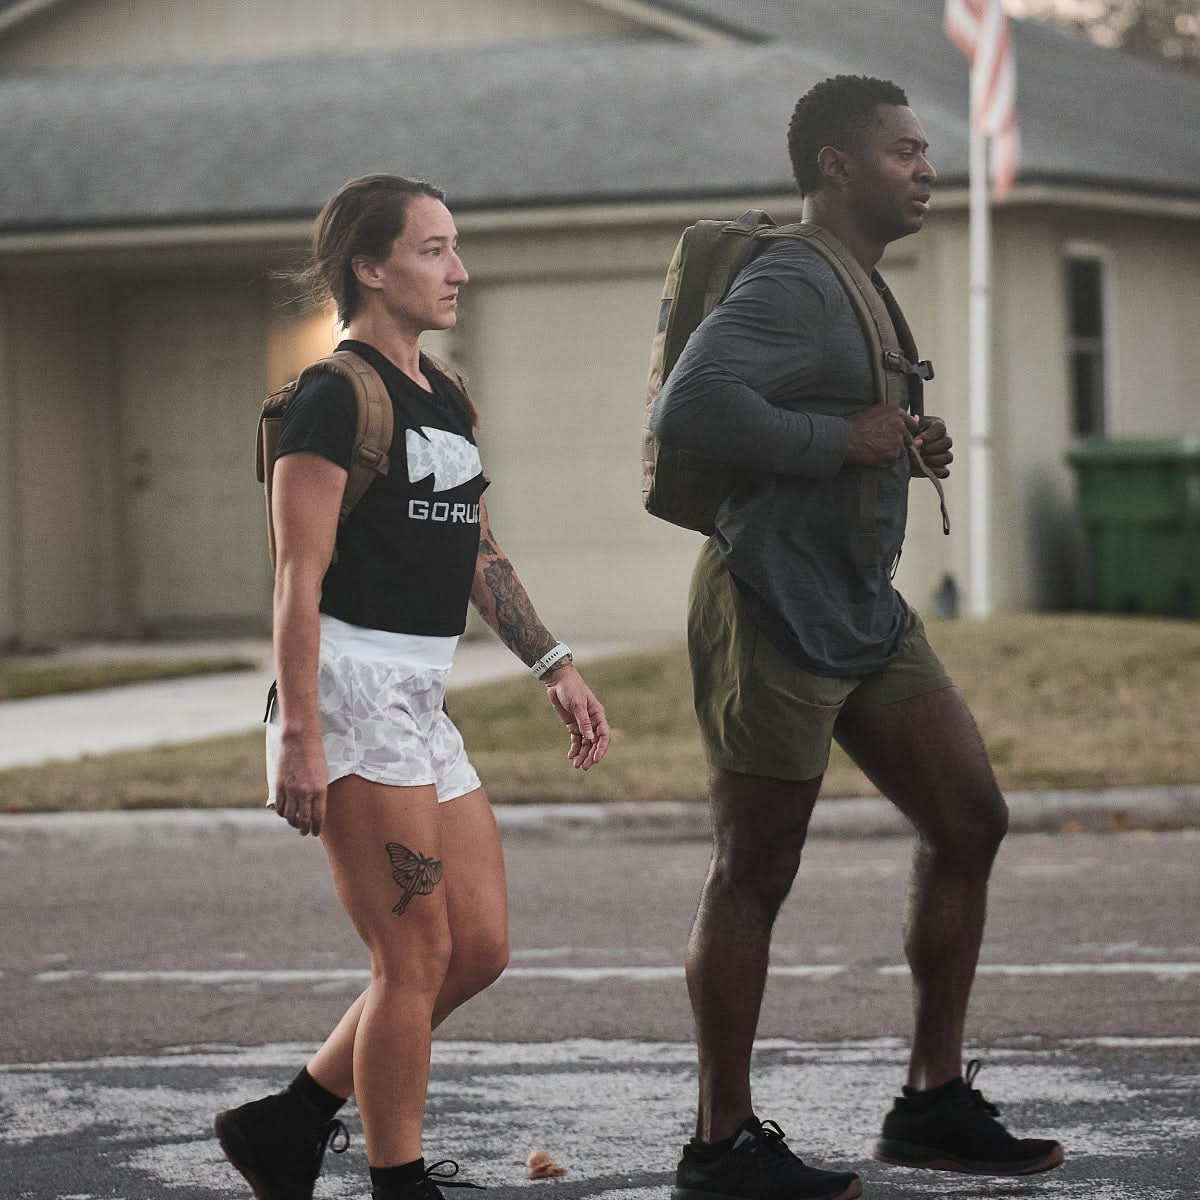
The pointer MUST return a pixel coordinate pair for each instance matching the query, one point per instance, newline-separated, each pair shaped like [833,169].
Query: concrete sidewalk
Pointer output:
[57,728]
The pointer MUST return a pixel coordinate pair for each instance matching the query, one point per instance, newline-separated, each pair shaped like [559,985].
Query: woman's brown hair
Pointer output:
[363,218]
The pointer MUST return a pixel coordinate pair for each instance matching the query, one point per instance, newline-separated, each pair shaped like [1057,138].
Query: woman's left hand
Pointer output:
[581,713]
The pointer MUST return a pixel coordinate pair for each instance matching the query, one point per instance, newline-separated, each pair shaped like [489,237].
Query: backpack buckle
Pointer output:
[370,456]
[893,360]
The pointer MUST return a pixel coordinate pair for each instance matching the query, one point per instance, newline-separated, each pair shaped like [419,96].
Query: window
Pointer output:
[1086,344]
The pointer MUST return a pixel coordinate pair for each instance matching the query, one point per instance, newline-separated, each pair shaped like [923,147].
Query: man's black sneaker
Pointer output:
[958,1131]
[277,1147]
[758,1166]
[425,1187]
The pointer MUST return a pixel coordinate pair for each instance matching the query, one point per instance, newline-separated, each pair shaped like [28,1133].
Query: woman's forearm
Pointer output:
[297,643]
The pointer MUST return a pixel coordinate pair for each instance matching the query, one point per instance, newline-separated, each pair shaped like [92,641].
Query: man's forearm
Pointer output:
[711,413]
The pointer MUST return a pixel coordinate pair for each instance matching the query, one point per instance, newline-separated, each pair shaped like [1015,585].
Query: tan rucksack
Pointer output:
[688,489]
[372,438]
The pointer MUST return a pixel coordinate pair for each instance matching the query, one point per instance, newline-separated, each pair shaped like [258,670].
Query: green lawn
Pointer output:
[1062,701]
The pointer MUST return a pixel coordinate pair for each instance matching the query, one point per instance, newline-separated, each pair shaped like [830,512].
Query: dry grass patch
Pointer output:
[1063,701]
[22,679]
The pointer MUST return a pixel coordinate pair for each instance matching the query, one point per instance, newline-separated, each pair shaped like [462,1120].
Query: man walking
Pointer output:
[796,636]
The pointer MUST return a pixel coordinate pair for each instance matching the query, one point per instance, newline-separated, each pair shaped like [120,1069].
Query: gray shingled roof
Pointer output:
[548,123]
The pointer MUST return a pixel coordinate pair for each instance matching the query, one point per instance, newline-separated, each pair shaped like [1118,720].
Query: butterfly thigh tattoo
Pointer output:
[416,874]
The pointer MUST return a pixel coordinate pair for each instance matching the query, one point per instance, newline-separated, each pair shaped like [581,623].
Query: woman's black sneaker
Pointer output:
[953,1128]
[426,1186]
[277,1146]
[758,1166]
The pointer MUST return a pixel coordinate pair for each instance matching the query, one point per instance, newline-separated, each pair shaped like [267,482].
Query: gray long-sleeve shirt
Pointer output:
[767,382]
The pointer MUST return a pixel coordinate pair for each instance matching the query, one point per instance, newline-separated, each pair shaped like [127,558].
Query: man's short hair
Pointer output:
[837,112]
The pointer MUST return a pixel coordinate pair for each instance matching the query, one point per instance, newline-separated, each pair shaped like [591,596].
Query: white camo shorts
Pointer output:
[384,722]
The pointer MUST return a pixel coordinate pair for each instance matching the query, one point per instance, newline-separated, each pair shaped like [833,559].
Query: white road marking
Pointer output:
[613,1112]
[327,976]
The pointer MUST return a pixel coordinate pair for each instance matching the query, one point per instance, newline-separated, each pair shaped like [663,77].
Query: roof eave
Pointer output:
[287,230]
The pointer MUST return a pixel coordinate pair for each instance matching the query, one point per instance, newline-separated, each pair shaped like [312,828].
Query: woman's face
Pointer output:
[418,282]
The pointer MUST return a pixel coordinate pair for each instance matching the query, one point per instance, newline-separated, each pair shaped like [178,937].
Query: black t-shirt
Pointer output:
[406,553]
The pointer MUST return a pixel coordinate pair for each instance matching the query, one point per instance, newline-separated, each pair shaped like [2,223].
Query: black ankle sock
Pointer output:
[388,1181]
[321,1103]
[923,1101]
[713,1149]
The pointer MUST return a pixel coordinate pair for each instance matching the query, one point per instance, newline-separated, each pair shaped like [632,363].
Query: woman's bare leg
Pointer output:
[384,847]
[477,906]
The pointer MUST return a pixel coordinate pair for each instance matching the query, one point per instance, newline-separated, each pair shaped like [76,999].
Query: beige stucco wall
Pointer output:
[59,385]
[128,32]
[10,517]
[1156,313]
[554,336]
[193,372]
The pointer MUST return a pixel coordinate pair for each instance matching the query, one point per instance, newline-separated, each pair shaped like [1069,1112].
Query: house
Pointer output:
[164,160]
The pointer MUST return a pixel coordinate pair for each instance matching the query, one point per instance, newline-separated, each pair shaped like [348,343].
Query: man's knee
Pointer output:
[759,871]
[759,830]
[972,834]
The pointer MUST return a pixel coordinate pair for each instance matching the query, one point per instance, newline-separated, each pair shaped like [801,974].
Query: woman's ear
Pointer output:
[366,271]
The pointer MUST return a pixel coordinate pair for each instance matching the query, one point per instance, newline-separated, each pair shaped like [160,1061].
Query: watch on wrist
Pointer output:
[556,656]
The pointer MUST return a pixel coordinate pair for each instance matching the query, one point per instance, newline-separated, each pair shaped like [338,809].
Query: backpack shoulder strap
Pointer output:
[373,433]
[890,385]
[458,386]
[898,374]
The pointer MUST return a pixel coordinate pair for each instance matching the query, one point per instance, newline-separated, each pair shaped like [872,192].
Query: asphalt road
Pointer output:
[146,982]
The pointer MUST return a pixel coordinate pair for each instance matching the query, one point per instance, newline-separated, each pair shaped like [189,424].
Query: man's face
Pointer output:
[890,176]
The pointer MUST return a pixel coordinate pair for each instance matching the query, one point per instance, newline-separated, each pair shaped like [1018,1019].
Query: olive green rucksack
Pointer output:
[688,489]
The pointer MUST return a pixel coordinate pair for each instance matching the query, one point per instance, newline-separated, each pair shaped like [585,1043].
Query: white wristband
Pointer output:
[550,660]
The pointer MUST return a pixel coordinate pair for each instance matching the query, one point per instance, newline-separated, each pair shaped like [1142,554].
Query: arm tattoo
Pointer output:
[516,621]
[416,874]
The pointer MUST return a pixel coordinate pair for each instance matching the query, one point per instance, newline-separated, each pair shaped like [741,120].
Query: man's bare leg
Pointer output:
[759,826]
[926,756]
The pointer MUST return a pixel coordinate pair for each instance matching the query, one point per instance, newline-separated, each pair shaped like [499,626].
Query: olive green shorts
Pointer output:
[761,714]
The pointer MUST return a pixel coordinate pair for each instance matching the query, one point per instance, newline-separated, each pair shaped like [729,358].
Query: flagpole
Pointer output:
[979,591]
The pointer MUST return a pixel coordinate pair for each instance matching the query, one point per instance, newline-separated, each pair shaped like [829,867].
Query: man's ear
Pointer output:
[831,164]
[366,271]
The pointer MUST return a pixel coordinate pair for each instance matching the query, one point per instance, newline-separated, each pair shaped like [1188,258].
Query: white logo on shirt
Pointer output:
[449,457]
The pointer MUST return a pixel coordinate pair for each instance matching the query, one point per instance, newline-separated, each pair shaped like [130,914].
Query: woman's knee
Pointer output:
[416,961]
[478,959]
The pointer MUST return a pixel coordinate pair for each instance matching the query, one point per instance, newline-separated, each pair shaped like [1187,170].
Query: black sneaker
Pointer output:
[960,1132]
[758,1166]
[426,1187]
[277,1147]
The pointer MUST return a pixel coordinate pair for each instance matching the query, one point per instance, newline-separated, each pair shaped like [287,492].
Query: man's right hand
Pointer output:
[879,435]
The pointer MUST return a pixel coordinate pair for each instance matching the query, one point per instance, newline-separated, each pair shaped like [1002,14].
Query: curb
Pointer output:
[1109,810]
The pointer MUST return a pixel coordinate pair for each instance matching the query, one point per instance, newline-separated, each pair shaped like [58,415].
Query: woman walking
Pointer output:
[361,753]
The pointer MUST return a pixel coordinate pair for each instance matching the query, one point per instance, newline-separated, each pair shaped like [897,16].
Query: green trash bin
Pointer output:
[1140,504]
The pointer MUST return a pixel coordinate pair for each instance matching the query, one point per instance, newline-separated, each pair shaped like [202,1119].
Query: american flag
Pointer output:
[980,30]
